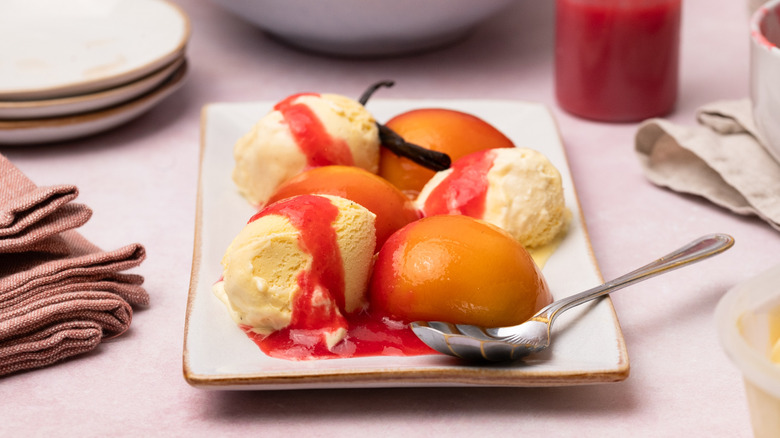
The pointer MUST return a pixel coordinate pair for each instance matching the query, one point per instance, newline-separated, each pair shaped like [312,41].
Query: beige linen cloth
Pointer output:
[720,160]
[60,295]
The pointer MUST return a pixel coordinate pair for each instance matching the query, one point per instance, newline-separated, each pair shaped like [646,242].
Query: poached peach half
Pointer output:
[456,269]
[392,208]
[453,132]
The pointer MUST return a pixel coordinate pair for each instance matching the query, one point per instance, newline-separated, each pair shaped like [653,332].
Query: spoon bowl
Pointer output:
[498,344]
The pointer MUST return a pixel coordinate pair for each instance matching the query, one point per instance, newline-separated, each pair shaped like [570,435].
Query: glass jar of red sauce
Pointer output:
[617,60]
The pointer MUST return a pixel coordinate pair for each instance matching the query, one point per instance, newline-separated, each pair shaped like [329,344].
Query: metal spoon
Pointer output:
[508,343]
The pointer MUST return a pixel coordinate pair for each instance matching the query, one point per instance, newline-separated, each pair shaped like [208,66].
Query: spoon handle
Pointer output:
[699,249]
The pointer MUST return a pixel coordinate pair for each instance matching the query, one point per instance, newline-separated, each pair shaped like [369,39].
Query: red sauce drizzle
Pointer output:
[313,216]
[367,335]
[311,136]
[464,190]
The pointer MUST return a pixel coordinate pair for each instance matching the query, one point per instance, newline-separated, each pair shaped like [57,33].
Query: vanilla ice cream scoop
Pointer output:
[300,263]
[517,189]
[304,131]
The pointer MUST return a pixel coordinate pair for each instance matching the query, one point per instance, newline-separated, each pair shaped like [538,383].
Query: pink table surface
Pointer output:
[140,179]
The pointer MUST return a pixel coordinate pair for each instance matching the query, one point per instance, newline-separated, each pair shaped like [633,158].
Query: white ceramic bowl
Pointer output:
[365,27]
[746,318]
[765,74]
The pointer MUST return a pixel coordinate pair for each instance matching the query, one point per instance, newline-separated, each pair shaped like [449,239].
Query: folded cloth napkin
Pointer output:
[720,160]
[60,295]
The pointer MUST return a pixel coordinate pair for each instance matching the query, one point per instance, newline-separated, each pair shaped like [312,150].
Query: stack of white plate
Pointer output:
[71,68]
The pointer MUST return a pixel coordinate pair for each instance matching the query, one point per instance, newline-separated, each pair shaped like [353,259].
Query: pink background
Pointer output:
[140,179]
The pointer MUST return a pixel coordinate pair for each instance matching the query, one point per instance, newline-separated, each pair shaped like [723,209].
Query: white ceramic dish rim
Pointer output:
[434,370]
[74,88]
[30,132]
[35,109]
[755,25]
[744,297]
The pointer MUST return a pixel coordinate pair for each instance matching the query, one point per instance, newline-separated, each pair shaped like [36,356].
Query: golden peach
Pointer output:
[392,208]
[453,132]
[456,269]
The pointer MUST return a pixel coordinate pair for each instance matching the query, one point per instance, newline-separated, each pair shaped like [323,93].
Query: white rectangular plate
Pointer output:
[588,345]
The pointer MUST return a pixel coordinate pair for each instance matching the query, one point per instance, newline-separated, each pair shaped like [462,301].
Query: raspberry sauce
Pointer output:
[320,148]
[464,190]
[617,60]
[367,335]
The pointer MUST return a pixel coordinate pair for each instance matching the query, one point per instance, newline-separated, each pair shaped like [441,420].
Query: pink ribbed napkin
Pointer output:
[60,295]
